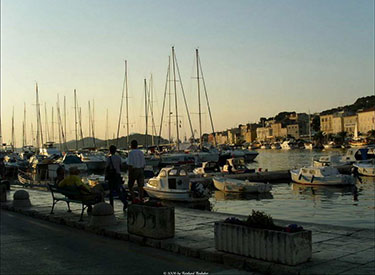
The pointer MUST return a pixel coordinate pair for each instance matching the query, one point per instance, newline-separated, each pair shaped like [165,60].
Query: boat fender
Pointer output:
[300,176]
[312,179]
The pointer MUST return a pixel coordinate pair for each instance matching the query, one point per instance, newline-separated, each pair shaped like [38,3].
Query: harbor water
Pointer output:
[352,206]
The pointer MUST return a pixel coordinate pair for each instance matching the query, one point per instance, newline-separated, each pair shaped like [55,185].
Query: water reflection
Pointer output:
[221,196]
[324,192]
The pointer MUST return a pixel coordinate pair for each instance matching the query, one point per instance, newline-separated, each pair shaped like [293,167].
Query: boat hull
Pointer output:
[329,180]
[172,195]
[240,186]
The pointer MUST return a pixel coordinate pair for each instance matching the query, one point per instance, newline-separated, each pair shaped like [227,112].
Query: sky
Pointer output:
[258,58]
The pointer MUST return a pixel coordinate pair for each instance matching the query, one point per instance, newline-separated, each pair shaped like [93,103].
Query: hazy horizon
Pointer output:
[258,58]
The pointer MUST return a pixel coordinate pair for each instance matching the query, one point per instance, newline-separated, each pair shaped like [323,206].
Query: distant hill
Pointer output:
[362,103]
[140,138]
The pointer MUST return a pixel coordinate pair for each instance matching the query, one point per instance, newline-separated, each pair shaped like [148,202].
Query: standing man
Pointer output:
[113,175]
[136,163]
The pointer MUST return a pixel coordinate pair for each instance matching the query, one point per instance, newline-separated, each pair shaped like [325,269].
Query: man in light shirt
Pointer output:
[136,164]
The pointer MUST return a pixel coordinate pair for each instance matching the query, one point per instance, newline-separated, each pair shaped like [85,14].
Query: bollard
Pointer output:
[6,183]
[3,192]
[21,199]
[102,215]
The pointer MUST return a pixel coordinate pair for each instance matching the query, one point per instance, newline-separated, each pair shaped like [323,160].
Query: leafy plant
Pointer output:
[260,219]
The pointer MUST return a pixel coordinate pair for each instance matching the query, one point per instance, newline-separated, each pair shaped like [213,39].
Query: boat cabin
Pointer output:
[172,178]
[319,172]
[235,165]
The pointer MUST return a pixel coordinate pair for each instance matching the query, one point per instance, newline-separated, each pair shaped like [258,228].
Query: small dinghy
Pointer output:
[321,176]
[240,186]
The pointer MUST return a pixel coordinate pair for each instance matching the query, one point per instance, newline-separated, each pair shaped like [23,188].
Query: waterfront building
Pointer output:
[278,131]
[248,132]
[366,120]
[326,124]
[349,124]
[337,124]
[293,130]
[264,133]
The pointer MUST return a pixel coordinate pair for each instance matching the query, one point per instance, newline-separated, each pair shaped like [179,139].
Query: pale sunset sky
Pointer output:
[258,58]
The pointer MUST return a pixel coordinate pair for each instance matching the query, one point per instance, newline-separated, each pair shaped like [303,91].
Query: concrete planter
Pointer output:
[151,222]
[269,245]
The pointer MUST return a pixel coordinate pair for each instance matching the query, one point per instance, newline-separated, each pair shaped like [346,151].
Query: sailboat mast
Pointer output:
[39,119]
[127,105]
[46,121]
[75,118]
[93,122]
[164,98]
[65,130]
[122,100]
[53,128]
[24,141]
[199,101]
[106,128]
[146,112]
[90,133]
[80,127]
[175,98]
[169,99]
[13,137]
[208,103]
[32,135]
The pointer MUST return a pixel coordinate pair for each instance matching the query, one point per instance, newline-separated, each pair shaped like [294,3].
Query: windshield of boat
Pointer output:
[72,159]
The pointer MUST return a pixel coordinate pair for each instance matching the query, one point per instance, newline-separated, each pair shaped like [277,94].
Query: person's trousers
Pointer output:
[115,185]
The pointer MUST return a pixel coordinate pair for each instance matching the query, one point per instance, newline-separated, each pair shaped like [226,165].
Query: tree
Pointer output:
[319,137]
[315,124]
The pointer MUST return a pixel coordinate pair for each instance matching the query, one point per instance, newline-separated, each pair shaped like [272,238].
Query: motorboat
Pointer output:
[358,154]
[49,149]
[288,144]
[265,146]
[235,166]
[365,169]
[93,161]
[240,186]
[275,145]
[173,183]
[308,145]
[321,176]
[172,159]
[246,154]
[207,168]
[332,160]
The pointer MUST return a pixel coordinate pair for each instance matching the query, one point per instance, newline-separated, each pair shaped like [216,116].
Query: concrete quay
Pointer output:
[336,250]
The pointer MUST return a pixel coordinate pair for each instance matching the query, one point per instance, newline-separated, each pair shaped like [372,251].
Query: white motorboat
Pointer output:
[321,176]
[265,146]
[275,145]
[207,168]
[49,149]
[288,144]
[235,166]
[308,145]
[173,183]
[177,159]
[332,160]
[72,160]
[93,161]
[240,186]
[366,169]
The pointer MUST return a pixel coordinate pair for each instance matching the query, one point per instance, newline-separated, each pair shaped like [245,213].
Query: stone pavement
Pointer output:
[336,250]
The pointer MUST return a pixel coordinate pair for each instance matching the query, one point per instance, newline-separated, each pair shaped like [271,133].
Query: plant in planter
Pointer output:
[260,238]
[151,219]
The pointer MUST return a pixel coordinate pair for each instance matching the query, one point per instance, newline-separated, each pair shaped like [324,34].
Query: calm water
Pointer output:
[346,206]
